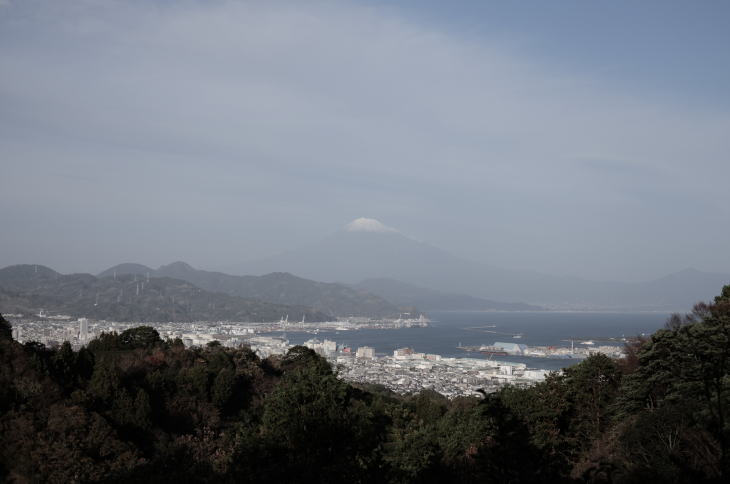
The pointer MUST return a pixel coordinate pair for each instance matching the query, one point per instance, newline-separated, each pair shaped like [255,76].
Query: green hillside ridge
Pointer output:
[28,288]
[279,288]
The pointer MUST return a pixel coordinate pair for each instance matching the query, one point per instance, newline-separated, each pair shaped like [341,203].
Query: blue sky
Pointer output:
[577,138]
[675,49]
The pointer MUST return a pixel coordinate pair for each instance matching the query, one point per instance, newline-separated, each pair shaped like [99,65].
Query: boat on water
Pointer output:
[492,351]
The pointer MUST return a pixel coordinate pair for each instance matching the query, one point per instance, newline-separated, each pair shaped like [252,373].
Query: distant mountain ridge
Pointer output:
[28,288]
[127,268]
[278,287]
[431,300]
[353,255]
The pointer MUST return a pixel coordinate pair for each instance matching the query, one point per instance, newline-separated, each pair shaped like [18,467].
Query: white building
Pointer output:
[365,352]
[402,354]
[83,329]
[329,346]
[537,375]
[314,344]
[511,348]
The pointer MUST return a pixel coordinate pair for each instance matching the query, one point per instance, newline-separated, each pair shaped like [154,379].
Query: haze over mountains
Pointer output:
[426,299]
[26,289]
[371,297]
[279,288]
[179,292]
[367,249]
[368,269]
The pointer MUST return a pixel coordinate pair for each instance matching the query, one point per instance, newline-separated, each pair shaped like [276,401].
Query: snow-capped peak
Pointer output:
[363,224]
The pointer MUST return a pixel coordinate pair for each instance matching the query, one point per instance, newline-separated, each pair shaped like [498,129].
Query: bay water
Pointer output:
[449,330]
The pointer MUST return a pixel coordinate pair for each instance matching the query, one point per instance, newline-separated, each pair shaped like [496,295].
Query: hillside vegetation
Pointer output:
[277,288]
[134,408]
[27,289]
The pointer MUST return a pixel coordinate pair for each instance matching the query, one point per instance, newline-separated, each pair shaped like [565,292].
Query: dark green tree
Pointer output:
[681,392]
[140,337]
[593,386]
[318,432]
[64,366]
[6,331]
[223,388]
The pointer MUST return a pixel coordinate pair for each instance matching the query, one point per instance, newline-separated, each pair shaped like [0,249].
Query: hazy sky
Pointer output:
[566,137]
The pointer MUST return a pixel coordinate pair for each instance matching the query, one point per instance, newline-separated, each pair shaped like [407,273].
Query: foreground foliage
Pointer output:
[134,408]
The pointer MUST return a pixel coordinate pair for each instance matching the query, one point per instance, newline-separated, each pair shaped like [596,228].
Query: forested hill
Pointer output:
[28,288]
[279,288]
[134,408]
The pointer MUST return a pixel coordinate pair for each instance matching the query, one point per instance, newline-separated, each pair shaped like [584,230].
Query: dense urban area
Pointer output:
[405,371]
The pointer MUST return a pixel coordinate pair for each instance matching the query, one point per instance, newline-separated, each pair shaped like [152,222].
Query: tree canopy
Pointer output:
[131,407]
[5,329]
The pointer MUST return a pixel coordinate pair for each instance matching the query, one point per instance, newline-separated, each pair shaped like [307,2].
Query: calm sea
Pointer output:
[452,329]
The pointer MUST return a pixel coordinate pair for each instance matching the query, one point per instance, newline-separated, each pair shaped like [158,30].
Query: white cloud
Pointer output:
[283,107]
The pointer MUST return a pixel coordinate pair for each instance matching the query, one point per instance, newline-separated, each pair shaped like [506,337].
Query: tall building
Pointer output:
[329,346]
[83,329]
[365,352]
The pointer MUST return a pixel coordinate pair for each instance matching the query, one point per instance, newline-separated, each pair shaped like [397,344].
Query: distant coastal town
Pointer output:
[405,371]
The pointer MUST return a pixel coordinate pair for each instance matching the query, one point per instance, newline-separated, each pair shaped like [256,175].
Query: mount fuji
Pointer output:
[368,249]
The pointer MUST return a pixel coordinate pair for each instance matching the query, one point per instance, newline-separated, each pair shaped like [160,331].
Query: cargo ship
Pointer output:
[492,351]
